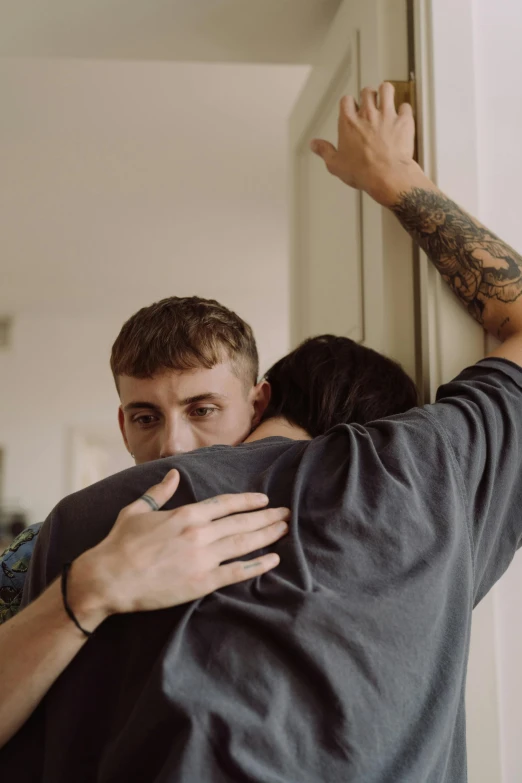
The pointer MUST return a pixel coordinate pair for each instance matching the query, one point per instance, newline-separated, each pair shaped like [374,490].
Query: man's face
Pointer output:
[179,411]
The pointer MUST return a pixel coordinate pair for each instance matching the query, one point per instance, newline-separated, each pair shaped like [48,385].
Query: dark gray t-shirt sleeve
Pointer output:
[479,414]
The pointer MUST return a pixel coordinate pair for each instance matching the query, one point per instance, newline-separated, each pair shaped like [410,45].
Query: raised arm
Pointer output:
[375,154]
[150,560]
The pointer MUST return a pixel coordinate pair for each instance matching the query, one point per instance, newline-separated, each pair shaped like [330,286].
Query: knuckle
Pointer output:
[271,535]
[126,516]
[227,499]
[237,502]
[200,569]
[199,585]
[222,504]
[276,515]
[206,585]
[188,515]
[241,521]
[239,541]
[264,517]
[238,571]
[271,531]
[194,536]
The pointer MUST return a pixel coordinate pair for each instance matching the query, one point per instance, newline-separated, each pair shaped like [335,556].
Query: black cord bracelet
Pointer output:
[65,573]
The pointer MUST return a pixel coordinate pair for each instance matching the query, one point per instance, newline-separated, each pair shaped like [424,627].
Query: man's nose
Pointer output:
[175,440]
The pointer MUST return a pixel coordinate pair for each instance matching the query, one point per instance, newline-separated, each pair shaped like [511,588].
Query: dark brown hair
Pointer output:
[331,380]
[184,333]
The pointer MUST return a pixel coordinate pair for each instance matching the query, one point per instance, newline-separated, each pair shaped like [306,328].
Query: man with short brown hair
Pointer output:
[184,333]
[186,370]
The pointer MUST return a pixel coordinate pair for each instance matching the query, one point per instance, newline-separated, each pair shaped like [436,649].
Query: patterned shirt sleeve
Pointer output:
[14,564]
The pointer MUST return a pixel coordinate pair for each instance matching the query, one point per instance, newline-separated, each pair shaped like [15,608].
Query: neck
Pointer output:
[278,427]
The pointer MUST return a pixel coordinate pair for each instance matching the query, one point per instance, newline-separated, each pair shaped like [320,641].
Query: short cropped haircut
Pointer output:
[184,333]
[331,380]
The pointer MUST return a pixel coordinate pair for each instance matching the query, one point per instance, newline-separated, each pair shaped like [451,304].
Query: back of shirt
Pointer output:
[346,663]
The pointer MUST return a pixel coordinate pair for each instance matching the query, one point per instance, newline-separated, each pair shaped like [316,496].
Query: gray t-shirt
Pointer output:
[348,662]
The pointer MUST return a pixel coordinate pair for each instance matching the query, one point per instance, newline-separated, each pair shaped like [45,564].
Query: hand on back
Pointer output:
[156,559]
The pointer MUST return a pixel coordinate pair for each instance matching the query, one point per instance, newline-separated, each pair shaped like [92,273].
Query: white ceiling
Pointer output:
[271,31]
[125,180]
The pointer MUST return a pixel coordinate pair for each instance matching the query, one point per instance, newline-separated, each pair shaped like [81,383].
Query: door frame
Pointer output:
[444,58]
[447,340]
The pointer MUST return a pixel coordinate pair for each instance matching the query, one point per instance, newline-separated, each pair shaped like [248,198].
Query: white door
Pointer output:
[352,264]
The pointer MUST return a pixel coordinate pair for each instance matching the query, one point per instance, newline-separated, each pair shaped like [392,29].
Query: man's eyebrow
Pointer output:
[206,397]
[132,406]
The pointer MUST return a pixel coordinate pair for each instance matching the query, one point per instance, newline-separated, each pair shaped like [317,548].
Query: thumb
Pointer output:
[324,150]
[171,482]
[158,494]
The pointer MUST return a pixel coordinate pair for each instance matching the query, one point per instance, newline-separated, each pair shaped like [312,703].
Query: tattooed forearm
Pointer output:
[481,269]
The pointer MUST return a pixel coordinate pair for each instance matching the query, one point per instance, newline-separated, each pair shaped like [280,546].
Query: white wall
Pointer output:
[55,379]
[498,69]
[123,183]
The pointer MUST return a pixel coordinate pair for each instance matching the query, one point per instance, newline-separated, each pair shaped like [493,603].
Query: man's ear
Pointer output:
[260,398]
[121,422]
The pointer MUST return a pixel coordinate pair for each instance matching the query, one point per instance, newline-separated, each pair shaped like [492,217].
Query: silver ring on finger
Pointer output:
[149,500]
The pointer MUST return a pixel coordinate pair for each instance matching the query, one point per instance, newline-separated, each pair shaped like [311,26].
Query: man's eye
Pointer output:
[203,413]
[145,421]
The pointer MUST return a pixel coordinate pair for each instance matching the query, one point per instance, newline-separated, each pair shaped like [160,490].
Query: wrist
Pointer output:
[88,591]
[391,182]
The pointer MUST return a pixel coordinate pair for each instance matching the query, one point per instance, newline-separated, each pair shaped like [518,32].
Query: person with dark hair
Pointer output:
[186,371]
[348,661]
[330,380]
[339,376]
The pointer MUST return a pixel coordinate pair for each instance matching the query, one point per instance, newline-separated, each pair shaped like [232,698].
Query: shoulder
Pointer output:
[489,377]
[22,546]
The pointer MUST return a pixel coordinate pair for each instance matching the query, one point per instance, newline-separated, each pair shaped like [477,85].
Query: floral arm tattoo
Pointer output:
[475,263]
